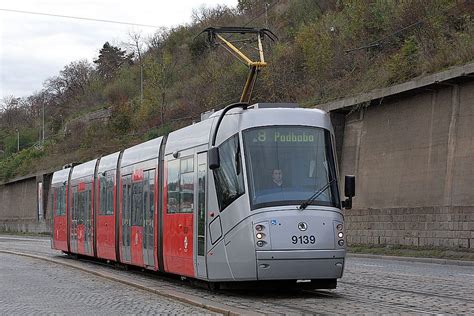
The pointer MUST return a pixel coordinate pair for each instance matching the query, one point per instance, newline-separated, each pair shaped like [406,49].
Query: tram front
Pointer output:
[294,205]
[292,178]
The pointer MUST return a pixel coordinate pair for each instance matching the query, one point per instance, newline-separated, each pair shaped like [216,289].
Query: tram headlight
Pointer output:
[340,234]
[341,242]
[260,243]
[339,226]
[260,235]
[259,227]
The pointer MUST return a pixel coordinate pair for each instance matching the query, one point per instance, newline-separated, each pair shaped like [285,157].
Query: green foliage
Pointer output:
[403,64]
[21,163]
[28,136]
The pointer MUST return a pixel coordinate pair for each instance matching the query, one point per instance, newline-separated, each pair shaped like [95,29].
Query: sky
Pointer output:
[35,47]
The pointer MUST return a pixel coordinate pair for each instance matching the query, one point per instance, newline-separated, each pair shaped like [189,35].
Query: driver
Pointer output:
[277,177]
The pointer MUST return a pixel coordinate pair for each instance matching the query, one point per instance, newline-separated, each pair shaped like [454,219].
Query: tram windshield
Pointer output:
[287,164]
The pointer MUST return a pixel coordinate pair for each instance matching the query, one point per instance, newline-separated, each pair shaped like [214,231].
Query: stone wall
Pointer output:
[413,156]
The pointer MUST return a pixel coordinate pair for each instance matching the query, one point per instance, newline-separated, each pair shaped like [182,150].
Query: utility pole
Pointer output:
[266,14]
[141,81]
[43,124]
[18,140]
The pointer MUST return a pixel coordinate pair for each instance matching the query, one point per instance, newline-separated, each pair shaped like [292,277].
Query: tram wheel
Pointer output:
[214,286]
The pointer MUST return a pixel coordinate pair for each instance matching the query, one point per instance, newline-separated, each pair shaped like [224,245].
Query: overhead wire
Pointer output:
[77,17]
[144,25]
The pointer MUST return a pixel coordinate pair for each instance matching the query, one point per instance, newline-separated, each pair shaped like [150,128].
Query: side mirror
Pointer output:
[214,160]
[349,186]
[349,191]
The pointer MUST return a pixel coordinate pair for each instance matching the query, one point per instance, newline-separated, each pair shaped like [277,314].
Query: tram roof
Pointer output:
[108,162]
[84,170]
[60,176]
[141,152]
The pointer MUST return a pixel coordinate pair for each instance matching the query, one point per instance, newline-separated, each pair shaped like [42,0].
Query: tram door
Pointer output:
[137,206]
[200,215]
[88,219]
[149,218]
[126,218]
[74,219]
[178,217]
[81,232]
[58,203]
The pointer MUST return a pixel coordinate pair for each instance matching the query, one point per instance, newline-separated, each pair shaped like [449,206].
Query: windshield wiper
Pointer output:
[315,195]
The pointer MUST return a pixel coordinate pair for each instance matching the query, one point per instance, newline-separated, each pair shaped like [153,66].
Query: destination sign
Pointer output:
[284,137]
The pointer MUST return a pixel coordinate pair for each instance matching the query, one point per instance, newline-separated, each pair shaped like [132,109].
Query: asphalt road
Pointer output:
[368,286]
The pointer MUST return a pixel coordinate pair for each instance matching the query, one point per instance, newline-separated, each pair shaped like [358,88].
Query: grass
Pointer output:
[407,251]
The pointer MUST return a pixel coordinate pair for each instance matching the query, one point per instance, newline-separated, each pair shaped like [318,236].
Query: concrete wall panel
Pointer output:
[414,161]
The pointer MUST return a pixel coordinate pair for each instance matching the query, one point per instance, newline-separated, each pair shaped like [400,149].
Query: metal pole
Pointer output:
[266,14]
[43,123]
[18,142]
[141,83]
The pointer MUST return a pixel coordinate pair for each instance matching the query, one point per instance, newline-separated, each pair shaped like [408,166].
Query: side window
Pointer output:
[63,200]
[181,185]
[110,195]
[229,177]
[202,172]
[173,186]
[149,197]
[137,204]
[74,204]
[107,194]
[59,201]
[152,192]
[55,202]
[103,195]
[186,185]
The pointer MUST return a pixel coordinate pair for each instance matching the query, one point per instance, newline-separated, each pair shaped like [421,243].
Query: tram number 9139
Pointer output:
[303,240]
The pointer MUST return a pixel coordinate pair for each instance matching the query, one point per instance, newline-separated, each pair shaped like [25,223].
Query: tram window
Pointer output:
[59,201]
[63,200]
[110,195]
[137,204]
[173,186]
[229,182]
[202,170]
[186,193]
[74,203]
[181,185]
[288,164]
[151,195]
[54,202]
[103,196]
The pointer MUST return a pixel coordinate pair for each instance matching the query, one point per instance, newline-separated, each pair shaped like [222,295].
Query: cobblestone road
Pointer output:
[30,286]
[368,286]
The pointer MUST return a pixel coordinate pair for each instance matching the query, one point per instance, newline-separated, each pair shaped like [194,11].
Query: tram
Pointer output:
[248,194]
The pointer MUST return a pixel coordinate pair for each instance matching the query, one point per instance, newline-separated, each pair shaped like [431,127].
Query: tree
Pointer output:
[136,45]
[110,59]
[161,76]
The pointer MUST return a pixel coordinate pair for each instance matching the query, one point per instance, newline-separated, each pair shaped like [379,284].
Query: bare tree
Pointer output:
[136,45]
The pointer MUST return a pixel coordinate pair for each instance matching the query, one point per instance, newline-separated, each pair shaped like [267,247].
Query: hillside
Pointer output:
[326,50]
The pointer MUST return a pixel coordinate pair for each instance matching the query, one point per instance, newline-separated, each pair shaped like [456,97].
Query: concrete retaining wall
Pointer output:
[413,156]
[19,205]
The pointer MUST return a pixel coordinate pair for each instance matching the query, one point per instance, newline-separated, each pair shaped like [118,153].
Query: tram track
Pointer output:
[363,297]
[389,306]
[359,284]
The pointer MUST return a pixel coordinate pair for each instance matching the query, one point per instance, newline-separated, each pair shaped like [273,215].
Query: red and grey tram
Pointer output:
[248,194]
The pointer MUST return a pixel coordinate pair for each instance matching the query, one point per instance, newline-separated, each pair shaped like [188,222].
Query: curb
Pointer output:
[175,295]
[413,259]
